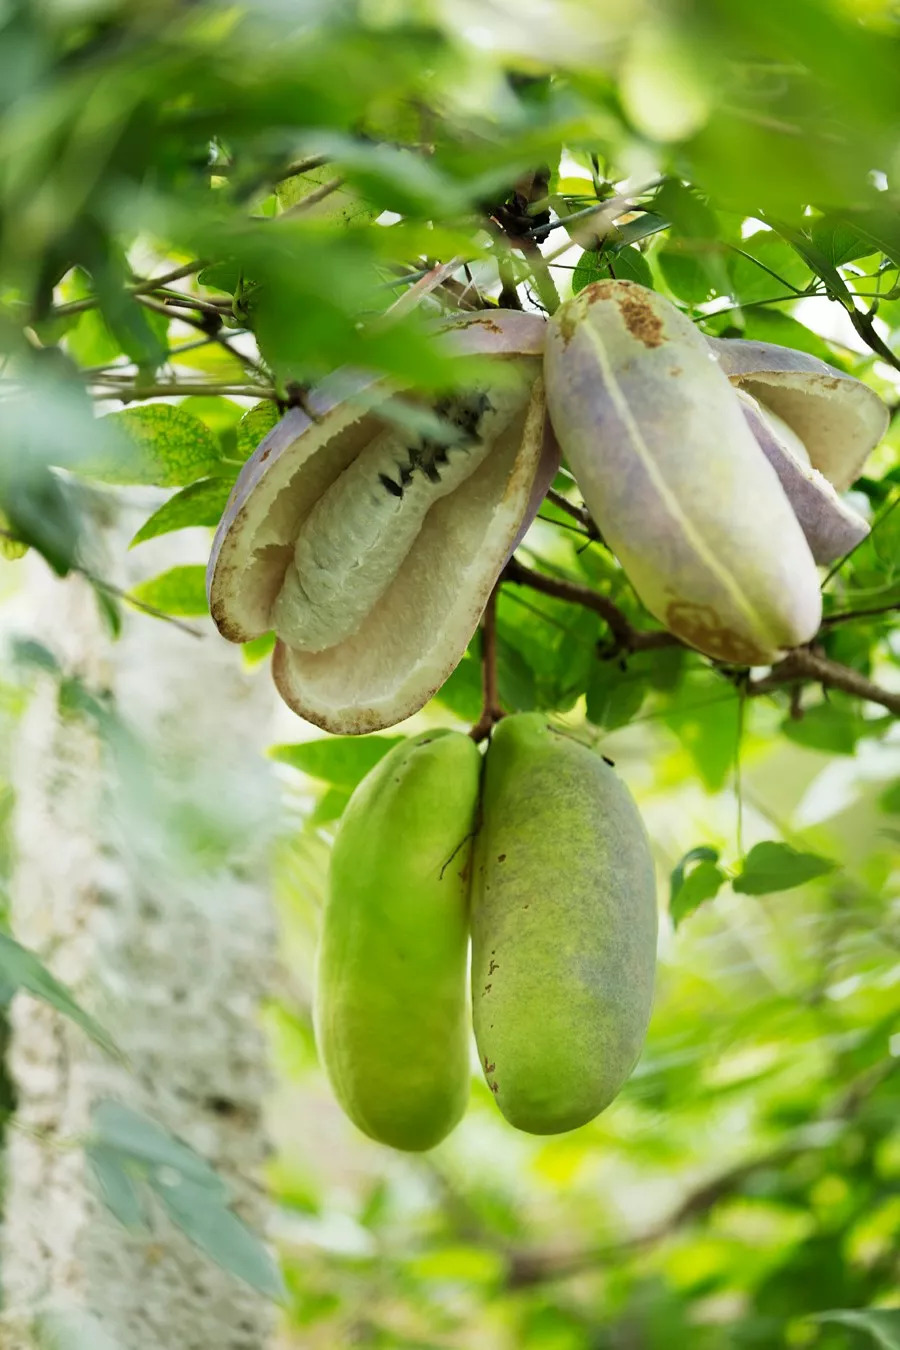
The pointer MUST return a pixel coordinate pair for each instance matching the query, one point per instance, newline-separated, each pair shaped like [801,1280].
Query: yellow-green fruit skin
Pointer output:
[564,928]
[390,1013]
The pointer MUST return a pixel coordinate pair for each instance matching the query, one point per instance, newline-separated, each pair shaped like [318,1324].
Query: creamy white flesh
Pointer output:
[355,539]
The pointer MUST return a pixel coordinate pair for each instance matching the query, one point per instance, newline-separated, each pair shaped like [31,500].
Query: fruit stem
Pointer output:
[491,712]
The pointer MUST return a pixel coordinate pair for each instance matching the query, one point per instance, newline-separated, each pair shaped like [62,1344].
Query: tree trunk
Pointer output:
[141,844]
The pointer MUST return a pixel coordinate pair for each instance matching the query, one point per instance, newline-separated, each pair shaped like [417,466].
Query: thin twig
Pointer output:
[139,288]
[847,615]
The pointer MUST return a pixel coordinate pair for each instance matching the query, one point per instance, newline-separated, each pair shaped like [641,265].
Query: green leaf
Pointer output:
[254,426]
[342,761]
[329,807]
[882,1324]
[212,1227]
[515,678]
[702,883]
[707,723]
[20,967]
[828,727]
[200,503]
[257,649]
[760,255]
[461,692]
[180,590]
[778,867]
[770,325]
[839,241]
[889,800]
[161,445]
[614,696]
[626,264]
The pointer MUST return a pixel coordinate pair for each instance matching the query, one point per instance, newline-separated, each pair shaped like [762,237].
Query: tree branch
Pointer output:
[625,635]
[804,664]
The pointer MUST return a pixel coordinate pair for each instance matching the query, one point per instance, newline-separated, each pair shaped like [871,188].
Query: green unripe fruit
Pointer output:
[563,928]
[390,1015]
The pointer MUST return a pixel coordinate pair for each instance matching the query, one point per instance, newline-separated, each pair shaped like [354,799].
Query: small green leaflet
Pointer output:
[127,1150]
[778,867]
[625,264]
[614,696]
[254,426]
[161,444]
[21,969]
[180,590]
[200,503]
[342,761]
[882,1324]
[688,890]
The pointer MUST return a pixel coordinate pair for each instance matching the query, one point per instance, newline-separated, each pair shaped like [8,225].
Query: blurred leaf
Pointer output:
[180,590]
[162,445]
[117,1186]
[342,761]
[11,548]
[257,649]
[71,1329]
[21,967]
[778,867]
[706,720]
[41,512]
[889,800]
[202,1216]
[830,727]
[192,1192]
[120,1130]
[200,503]
[882,1324]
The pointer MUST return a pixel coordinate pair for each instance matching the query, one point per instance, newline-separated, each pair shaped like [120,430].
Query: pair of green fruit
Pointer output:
[538,848]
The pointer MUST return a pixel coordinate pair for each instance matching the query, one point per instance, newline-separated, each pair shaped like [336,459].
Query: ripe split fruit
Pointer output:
[563,958]
[712,466]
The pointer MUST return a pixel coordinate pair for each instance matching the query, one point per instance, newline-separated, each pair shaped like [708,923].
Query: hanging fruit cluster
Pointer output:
[711,466]
[562,957]
[713,470]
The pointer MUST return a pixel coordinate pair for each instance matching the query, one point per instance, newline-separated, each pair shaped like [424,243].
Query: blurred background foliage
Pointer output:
[205,207]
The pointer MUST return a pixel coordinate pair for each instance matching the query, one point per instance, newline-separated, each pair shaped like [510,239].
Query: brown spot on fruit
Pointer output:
[492,967]
[495,1087]
[639,318]
[265,455]
[487,989]
[701,626]
[501,857]
[488,1068]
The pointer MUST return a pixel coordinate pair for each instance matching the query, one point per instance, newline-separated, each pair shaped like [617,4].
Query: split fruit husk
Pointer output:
[816,426]
[670,470]
[426,603]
